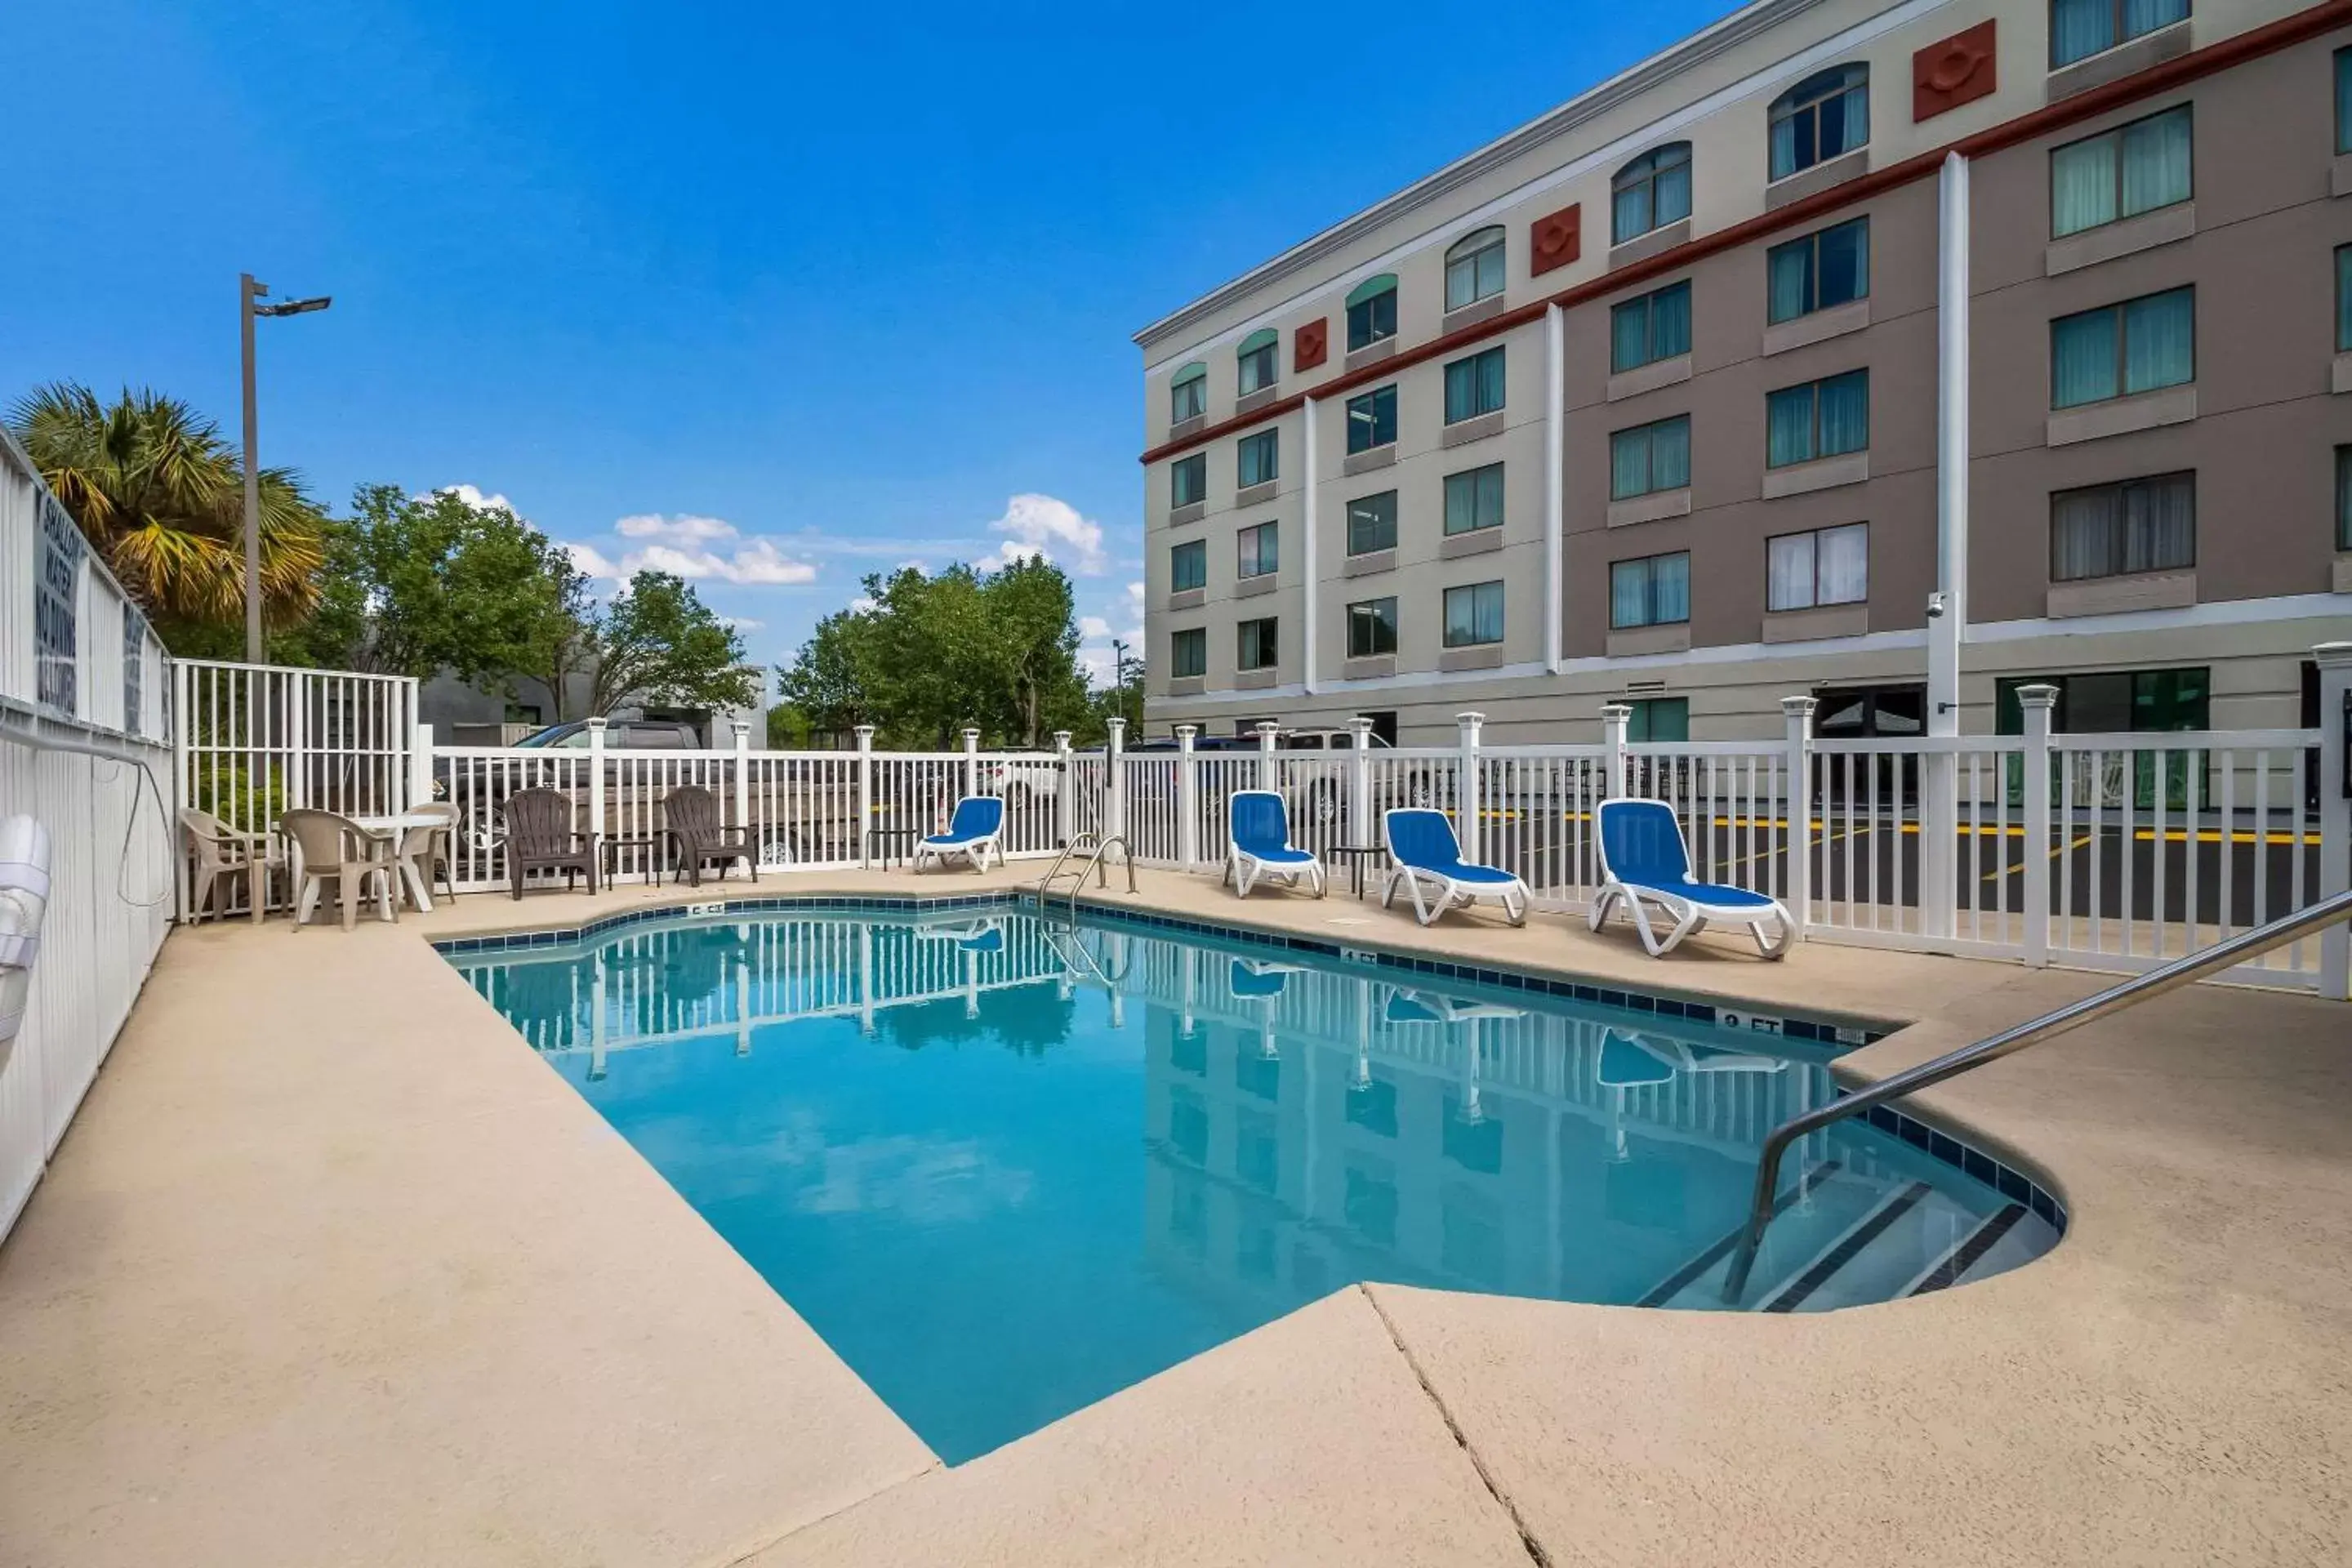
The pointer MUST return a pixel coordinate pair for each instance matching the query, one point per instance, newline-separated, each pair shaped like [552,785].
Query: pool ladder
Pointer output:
[2205,963]
[1093,849]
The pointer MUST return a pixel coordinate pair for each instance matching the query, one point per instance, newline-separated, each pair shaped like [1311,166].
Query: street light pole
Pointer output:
[248,292]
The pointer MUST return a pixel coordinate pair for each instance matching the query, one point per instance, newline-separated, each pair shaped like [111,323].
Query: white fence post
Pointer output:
[1187,798]
[971,760]
[2039,702]
[1114,815]
[420,767]
[1066,792]
[1469,824]
[1799,713]
[2335,810]
[596,777]
[1359,781]
[864,734]
[1614,718]
[742,728]
[1269,771]
[1939,834]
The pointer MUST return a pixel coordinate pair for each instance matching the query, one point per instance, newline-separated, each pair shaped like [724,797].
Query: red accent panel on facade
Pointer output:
[1311,344]
[1556,238]
[1959,69]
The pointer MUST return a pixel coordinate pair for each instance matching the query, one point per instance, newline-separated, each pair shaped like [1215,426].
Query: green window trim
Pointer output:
[1371,311]
[1264,338]
[1383,283]
[1258,361]
[1188,393]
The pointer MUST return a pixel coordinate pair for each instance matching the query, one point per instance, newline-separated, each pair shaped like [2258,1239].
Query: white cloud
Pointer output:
[474,498]
[591,562]
[684,529]
[1093,628]
[743,623]
[1040,527]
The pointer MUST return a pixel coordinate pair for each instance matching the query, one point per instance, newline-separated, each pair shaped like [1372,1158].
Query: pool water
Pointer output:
[1006,1167]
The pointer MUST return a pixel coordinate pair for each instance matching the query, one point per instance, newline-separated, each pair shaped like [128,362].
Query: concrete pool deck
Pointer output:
[332,1269]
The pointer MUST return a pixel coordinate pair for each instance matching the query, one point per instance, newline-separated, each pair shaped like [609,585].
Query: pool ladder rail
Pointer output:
[2205,963]
[1093,849]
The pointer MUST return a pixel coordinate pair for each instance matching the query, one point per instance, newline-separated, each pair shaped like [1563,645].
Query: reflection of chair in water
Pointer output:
[1261,979]
[1433,1007]
[1629,1061]
[983,935]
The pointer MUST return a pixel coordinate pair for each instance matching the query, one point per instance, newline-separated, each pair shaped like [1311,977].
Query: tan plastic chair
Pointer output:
[334,850]
[222,854]
[426,853]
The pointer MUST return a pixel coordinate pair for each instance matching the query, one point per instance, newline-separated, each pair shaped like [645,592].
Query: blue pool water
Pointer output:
[1006,1168]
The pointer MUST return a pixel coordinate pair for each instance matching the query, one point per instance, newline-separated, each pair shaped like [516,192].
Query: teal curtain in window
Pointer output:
[2344,299]
[1474,500]
[1670,454]
[1670,322]
[1629,335]
[1845,412]
[1789,427]
[1629,213]
[2082,357]
[2156,154]
[1474,385]
[1784,147]
[2159,340]
[1628,464]
[2344,498]
[1629,594]
[2082,186]
[1789,273]
[1188,566]
[2344,100]
[2147,15]
[1670,589]
[2080,29]
[1673,202]
[1843,264]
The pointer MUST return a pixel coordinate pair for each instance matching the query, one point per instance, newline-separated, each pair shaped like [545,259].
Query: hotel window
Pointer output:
[2081,29]
[1371,311]
[1188,394]
[1654,591]
[1647,458]
[1474,269]
[1372,420]
[2117,349]
[2344,299]
[1257,647]
[1831,267]
[1188,566]
[1474,615]
[1823,117]
[1474,499]
[1818,419]
[1259,458]
[2344,100]
[2112,531]
[1371,629]
[1259,552]
[2344,498]
[1664,720]
[1187,653]
[1257,359]
[2120,174]
[1655,327]
[1474,386]
[1822,566]
[1371,524]
[1188,480]
[1650,192]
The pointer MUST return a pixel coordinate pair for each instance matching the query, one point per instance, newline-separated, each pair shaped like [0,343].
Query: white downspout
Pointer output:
[1555,478]
[1308,560]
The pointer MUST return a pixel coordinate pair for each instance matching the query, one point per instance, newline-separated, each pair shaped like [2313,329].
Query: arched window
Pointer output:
[1650,192]
[1371,311]
[1825,115]
[1188,393]
[1257,355]
[1474,269]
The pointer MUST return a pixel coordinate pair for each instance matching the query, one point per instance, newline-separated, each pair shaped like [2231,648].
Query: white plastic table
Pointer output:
[392,828]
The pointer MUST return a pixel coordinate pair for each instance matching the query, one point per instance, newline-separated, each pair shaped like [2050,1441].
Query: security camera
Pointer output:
[1936,605]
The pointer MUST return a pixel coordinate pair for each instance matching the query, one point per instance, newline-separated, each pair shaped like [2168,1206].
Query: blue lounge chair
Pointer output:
[1643,861]
[1259,843]
[1423,854]
[971,834]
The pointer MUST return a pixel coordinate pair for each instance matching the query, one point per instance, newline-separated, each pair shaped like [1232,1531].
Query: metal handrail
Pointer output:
[2185,971]
[1094,862]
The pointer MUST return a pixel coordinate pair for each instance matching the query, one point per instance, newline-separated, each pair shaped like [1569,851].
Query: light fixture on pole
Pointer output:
[249,292]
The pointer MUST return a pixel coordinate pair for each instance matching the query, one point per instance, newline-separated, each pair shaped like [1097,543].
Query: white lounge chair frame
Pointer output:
[975,849]
[1446,893]
[1248,870]
[1689,914]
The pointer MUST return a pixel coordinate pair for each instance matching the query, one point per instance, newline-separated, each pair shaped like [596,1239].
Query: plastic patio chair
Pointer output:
[539,838]
[333,848]
[1258,844]
[1643,861]
[971,832]
[690,816]
[222,854]
[1424,855]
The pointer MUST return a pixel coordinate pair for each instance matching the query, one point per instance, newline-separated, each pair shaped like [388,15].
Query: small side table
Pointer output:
[609,848]
[1356,855]
[899,840]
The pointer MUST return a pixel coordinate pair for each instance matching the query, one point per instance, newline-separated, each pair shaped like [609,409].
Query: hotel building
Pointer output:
[1896,354]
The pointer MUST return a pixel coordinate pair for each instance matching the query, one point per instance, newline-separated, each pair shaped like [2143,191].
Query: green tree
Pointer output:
[658,642]
[161,498]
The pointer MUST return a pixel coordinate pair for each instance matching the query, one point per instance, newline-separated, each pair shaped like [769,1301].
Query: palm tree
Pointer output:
[160,497]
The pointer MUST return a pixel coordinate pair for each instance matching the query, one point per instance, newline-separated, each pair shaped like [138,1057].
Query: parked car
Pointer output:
[479,791]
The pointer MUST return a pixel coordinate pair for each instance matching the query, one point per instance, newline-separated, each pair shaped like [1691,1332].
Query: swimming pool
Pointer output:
[1007,1166]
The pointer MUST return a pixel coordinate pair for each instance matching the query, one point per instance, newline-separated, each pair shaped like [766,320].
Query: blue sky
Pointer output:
[781,295]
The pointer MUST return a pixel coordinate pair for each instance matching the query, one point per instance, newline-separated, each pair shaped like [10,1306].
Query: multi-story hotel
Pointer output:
[1894,353]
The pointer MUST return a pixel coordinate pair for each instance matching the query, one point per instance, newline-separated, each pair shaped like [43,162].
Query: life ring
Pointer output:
[24,899]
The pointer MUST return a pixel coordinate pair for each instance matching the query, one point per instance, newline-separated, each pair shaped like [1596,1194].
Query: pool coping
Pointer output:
[2015,1177]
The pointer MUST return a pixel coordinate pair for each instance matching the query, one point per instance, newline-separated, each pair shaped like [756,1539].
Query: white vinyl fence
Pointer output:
[84,727]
